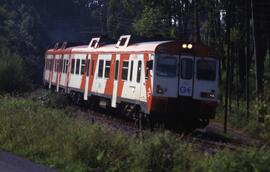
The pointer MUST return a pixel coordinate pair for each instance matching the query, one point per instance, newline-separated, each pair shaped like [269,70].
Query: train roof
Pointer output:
[97,45]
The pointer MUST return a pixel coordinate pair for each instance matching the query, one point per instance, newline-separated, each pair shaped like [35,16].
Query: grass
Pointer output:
[55,138]
[259,129]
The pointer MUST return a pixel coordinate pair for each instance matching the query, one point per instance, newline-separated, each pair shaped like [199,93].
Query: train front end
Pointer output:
[185,83]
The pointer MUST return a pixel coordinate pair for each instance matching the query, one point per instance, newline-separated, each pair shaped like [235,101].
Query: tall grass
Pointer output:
[57,139]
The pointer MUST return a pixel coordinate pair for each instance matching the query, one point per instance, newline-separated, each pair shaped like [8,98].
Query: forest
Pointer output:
[238,31]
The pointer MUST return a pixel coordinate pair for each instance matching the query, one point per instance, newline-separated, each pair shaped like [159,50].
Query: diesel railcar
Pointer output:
[172,80]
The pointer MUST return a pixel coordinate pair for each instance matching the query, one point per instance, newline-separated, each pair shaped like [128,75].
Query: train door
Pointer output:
[131,85]
[59,71]
[88,68]
[115,82]
[51,71]
[186,76]
[141,77]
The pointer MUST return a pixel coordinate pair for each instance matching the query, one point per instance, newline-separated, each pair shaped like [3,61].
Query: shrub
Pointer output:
[241,160]
[12,75]
[51,137]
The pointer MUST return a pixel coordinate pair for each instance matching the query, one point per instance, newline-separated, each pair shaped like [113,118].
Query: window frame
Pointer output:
[73,66]
[197,71]
[181,68]
[83,66]
[158,67]
[125,68]
[101,68]
[116,71]
[131,71]
[139,71]
[78,66]
[107,69]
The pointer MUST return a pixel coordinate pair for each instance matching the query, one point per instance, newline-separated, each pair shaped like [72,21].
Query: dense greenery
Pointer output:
[63,140]
[236,29]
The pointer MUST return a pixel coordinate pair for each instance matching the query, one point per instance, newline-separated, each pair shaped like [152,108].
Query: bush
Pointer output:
[12,75]
[51,137]
[241,160]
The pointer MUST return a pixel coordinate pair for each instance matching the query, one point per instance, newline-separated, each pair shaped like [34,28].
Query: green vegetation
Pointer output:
[257,125]
[59,139]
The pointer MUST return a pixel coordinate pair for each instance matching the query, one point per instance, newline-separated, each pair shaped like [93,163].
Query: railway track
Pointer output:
[208,142]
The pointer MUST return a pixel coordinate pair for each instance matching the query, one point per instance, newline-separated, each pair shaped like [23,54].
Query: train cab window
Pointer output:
[88,67]
[125,70]
[116,70]
[166,66]
[83,67]
[131,71]
[139,71]
[206,70]
[100,68]
[107,69]
[73,66]
[78,64]
[186,68]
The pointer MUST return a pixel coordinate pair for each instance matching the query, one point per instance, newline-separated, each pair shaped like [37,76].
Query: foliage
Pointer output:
[233,161]
[12,73]
[152,23]
[57,139]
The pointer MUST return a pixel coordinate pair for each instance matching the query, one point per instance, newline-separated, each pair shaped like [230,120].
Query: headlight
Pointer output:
[208,95]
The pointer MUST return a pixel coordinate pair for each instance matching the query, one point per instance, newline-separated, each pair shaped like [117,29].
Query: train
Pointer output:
[173,81]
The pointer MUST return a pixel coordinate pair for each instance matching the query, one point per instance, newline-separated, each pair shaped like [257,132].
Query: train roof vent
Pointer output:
[56,45]
[64,45]
[123,41]
[94,43]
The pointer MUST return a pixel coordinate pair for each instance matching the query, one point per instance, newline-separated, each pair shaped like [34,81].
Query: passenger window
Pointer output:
[100,68]
[83,67]
[66,68]
[78,66]
[139,71]
[186,68]
[116,70]
[131,71]
[125,70]
[73,66]
[107,69]
[88,67]
[55,65]
[63,66]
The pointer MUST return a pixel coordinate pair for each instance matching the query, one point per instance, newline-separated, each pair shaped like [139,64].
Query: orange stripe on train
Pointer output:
[148,85]
[124,57]
[94,58]
[82,87]
[110,81]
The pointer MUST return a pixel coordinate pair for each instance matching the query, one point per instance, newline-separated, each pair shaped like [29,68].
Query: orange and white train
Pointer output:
[173,79]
